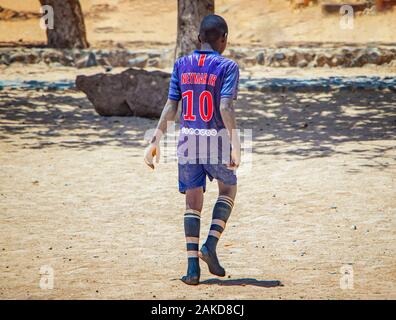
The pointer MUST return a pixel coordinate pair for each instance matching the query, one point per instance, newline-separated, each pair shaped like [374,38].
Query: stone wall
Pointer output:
[301,57]
[319,84]
[87,58]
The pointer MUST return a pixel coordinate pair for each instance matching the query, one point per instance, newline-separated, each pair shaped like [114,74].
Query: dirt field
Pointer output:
[76,196]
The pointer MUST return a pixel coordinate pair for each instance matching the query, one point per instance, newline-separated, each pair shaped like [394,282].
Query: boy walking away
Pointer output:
[207,84]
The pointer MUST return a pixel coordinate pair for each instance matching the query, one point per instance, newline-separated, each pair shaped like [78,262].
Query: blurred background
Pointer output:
[136,23]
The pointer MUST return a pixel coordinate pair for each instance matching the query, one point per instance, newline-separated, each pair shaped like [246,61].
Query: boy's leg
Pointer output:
[192,216]
[221,213]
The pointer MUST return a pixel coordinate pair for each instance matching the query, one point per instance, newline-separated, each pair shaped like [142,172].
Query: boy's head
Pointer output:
[214,31]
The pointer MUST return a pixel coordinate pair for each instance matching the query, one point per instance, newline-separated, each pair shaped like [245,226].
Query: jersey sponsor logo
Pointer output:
[199,132]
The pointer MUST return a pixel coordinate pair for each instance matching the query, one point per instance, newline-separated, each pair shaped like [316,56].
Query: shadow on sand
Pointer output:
[289,125]
[243,282]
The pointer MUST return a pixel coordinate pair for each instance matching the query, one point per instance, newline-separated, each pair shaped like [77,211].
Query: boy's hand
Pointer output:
[235,158]
[152,151]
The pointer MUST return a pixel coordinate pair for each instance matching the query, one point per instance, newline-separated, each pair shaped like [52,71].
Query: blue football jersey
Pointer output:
[200,80]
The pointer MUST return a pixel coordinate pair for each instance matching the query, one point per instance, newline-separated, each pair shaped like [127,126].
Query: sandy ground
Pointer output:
[76,196]
[251,22]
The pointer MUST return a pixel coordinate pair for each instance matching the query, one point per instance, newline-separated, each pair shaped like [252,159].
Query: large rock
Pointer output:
[134,92]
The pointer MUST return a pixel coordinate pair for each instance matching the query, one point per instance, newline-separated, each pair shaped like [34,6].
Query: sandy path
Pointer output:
[75,195]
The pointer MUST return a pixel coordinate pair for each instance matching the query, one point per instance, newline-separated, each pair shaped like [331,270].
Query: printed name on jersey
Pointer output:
[198,78]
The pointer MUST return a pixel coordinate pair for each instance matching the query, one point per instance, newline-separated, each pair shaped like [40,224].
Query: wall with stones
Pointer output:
[301,57]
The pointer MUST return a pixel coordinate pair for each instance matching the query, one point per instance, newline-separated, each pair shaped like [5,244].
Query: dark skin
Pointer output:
[219,46]
[194,197]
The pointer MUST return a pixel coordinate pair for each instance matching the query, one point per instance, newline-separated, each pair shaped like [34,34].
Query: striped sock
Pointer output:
[192,220]
[221,213]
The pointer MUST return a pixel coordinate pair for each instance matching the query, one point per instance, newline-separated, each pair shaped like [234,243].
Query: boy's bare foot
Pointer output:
[211,259]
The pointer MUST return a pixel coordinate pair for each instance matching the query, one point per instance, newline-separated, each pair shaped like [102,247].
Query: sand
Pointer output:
[76,196]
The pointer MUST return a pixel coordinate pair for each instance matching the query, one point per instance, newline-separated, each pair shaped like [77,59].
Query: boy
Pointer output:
[207,84]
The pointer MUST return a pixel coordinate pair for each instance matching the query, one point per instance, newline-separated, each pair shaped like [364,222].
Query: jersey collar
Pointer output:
[207,52]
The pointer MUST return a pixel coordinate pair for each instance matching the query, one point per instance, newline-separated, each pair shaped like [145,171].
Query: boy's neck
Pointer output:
[206,47]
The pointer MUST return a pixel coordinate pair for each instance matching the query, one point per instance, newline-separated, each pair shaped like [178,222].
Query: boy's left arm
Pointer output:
[228,115]
[229,93]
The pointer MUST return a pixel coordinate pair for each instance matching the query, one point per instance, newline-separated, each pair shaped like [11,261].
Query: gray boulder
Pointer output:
[139,62]
[323,59]
[52,55]
[88,61]
[134,92]
[260,58]
[5,59]
[18,57]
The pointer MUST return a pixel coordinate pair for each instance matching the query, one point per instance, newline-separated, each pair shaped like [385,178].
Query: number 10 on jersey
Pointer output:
[205,105]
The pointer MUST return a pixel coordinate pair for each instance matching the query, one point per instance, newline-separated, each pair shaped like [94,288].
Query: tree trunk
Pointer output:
[69,27]
[190,15]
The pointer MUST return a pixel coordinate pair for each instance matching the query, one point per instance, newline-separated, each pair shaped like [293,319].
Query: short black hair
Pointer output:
[212,28]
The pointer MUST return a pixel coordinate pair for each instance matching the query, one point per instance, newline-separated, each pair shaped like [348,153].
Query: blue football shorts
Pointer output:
[193,175]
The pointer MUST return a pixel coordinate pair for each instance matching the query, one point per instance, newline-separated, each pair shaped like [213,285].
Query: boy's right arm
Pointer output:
[168,115]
